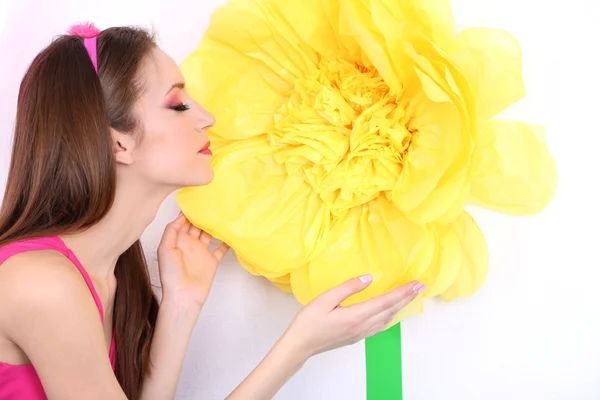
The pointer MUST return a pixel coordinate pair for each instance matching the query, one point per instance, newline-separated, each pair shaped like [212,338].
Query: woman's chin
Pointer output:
[201,179]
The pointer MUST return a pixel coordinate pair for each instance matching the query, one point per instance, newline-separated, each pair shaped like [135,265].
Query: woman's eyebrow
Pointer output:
[178,85]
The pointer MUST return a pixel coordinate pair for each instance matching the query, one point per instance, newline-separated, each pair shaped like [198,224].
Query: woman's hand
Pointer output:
[187,269]
[186,266]
[325,325]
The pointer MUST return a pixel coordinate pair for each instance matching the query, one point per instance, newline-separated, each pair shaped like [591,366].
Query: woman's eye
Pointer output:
[180,107]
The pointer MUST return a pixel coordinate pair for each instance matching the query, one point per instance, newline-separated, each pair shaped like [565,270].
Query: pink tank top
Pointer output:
[21,382]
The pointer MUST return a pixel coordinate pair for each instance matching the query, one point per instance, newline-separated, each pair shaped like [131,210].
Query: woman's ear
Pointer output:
[123,146]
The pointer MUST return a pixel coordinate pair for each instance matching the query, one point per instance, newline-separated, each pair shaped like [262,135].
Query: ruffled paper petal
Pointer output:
[433,184]
[257,30]
[462,254]
[373,239]
[279,224]
[241,91]
[318,25]
[434,174]
[431,19]
[491,60]
[513,171]
[356,22]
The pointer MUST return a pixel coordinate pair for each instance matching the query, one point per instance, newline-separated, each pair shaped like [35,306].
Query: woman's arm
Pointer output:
[321,326]
[280,364]
[47,310]
[187,269]
[174,326]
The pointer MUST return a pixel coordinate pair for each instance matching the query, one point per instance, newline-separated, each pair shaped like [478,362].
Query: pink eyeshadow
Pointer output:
[173,99]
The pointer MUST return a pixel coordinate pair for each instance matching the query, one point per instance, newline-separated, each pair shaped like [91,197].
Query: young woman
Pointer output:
[105,131]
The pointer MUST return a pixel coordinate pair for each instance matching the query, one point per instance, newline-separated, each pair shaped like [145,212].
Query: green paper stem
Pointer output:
[384,365]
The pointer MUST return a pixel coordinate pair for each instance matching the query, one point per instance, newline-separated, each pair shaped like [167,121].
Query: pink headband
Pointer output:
[89,33]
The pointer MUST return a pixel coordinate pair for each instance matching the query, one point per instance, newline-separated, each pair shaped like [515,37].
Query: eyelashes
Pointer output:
[180,107]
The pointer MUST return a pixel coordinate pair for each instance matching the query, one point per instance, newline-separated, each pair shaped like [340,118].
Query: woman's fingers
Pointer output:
[381,321]
[394,299]
[374,315]
[221,251]
[205,238]
[169,238]
[333,297]
[194,231]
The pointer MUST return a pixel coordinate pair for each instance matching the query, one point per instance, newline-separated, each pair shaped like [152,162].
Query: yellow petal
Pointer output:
[356,22]
[423,257]
[433,184]
[382,27]
[491,60]
[399,20]
[283,283]
[434,174]
[245,67]
[460,263]
[301,285]
[373,239]
[445,265]
[317,23]
[256,29]
[474,265]
[271,219]
[513,171]
[239,90]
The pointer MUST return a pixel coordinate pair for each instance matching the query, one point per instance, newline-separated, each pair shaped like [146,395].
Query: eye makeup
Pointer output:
[174,102]
[180,107]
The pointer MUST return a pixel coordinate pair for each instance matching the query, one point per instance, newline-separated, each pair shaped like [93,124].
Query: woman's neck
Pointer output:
[99,247]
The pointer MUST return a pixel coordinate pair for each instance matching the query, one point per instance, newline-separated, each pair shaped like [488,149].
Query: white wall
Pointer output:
[532,332]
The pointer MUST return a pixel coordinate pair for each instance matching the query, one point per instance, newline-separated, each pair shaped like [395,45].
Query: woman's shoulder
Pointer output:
[46,310]
[32,267]
[39,282]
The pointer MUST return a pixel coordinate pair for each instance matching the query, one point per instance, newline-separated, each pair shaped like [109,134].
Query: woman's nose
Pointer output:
[205,120]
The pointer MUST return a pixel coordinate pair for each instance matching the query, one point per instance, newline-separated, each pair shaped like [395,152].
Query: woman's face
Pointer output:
[172,150]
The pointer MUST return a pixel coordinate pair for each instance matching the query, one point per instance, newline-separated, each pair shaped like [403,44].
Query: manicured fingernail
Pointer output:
[366,279]
[420,287]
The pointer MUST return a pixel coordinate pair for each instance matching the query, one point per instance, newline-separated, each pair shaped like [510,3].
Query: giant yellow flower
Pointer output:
[350,135]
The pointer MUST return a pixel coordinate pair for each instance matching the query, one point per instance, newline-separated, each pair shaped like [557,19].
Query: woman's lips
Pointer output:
[206,149]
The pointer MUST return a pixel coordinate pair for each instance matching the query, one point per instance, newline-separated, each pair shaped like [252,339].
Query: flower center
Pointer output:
[346,132]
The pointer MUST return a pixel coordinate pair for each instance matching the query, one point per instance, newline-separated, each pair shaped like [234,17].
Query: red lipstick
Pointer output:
[206,149]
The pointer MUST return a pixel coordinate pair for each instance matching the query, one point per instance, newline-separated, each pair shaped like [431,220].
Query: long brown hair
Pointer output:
[62,175]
